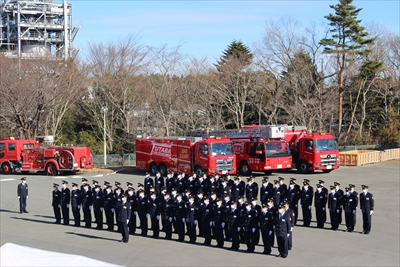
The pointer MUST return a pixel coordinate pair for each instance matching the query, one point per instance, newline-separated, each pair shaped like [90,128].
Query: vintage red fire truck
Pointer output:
[20,155]
[311,150]
[188,154]
[257,148]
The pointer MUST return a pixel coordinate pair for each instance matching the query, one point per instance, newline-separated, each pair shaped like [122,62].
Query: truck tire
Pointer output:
[51,169]
[268,172]
[163,169]
[326,171]
[198,170]
[302,166]
[153,168]
[5,168]
[244,168]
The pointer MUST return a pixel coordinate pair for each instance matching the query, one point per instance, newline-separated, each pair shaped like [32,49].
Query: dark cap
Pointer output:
[332,187]
[282,207]
[319,186]
[64,182]
[131,189]
[117,183]
[264,205]
[286,203]
[106,183]
[347,189]
[364,186]
[129,184]
[23,179]
[123,195]
[94,181]
[352,185]
[147,173]
[306,180]
[248,203]
[109,187]
[321,182]
[336,183]
[140,185]
[292,179]
[276,182]
[291,182]
[254,199]
[84,180]
[74,184]
[270,200]
[306,183]
[281,178]
[265,179]
[86,185]
[54,184]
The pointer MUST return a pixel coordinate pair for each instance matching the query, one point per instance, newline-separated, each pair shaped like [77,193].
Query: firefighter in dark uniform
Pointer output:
[22,193]
[354,192]
[106,184]
[199,203]
[148,181]
[266,190]
[274,214]
[192,184]
[258,208]
[227,202]
[118,185]
[320,200]
[203,184]
[170,181]
[350,207]
[98,206]
[250,226]
[155,211]
[339,195]
[225,188]
[306,201]
[234,225]
[168,212]
[242,209]
[367,208]
[282,229]
[87,202]
[56,203]
[251,188]
[117,203]
[277,194]
[143,212]
[124,215]
[76,202]
[109,207]
[293,197]
[267,225]
[283,187]
[158,182]
[180,216]
[333,206]
[220,220]
[129,186]
[192,218]
[236,189]
[132,199]
[207,214]
[324,189]
[84,182]
[65,200]
[290,213]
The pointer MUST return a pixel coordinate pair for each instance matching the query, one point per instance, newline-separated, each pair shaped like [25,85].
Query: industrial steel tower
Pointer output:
[37,28]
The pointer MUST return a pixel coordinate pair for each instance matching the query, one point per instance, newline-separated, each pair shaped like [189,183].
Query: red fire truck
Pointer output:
[257,148]
[312,151]
[18,155]
[211,155]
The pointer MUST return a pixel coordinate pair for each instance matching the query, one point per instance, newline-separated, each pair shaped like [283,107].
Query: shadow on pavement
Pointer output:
[32,220]
[91,236]
[9,211]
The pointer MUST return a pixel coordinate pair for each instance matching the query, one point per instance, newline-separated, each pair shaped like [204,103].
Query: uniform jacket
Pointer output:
[349,202]
[283,226]
[143,205]
[234,218]
[366,202]
[56,198]
[65,196]
[87,199]
[320,199]
[267,222]
[192,211]
[155,207]
[124,212]
[333,202]
[98,199]
[266,192]
[251,218]
[109,200]
[220,214]
[251,190]
[22,190]
[168,209]
[76,198]
[307,197]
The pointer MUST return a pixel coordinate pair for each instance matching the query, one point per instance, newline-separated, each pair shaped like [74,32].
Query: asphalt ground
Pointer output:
[311,246]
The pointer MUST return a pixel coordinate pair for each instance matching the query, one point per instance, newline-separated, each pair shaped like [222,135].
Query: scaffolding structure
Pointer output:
[37,28]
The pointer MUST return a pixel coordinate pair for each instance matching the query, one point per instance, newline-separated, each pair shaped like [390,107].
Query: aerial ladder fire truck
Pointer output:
[22,155]
[259,149]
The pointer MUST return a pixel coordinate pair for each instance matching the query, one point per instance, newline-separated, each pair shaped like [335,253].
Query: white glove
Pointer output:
[112,210]
[270,233]
[370,213]
[253,230]
[170,219]
[337,211]
[101,209]
[354,211]
[323,209]
[90,207]
[211,224]
[59,206]
[223,224]
[195,222]
[288,235]
[79,206]
[135,213]
[309,207]
[147,215]
[157,217]
[67,206]
[183,220]
[291,229]
[18,197]
[238,229]
[127,221]
[26,196]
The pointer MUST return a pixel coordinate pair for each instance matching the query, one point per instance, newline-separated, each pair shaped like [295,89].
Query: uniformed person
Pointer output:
[234,225]
[87,202]
[282,230]
[109,208]
[180,217]
[98,206]
[192,218]
[251,188]
[225,188]
[124,214]
[290,213]
[306,201]
[95,183]
[220,220]
[266,190]
[84,182]
[76,202]
[203,184]
[22,193]
[207,214]
[56,203]
[118,185]
[267,225]
[199,202]
[132,199]
[339,195]
[242,209]
[167,215]
[129,186]
[354,192]
[155,211]
[250,226]
[227,202]
[258,208]
[350,206]
[106,184]
[65,200]
[143,212]
[283,187]
[333,206]
[158,182]
[320,200]
[274,214]
[170,181]
[117,203]
[367,208]
[148,181]
[293,197]
[277,194]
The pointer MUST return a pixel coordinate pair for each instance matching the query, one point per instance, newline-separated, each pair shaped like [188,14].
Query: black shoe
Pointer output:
[363,232]
[366,233]
[283,256]
[122,240]
[266,253]
[20,212]
[232,248]
[279,256]
[125,241]
[347,230]
[26,211]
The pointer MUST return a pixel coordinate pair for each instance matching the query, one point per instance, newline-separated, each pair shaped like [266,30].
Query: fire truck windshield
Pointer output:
[277,149]
[325,144]
[217,149]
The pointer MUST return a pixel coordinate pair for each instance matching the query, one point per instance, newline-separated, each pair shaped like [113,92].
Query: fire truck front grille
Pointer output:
[224,164]
[328,159]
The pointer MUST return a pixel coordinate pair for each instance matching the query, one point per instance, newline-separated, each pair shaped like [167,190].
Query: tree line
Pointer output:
[339,77]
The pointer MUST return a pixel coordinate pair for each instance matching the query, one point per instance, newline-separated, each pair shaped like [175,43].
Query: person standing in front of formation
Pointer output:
[65,200]
[282,229]
[367,208]
[56,203]
[87,202]
[22,193]
[124,215]
[76,202]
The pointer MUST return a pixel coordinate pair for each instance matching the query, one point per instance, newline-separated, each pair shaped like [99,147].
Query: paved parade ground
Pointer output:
[311,246]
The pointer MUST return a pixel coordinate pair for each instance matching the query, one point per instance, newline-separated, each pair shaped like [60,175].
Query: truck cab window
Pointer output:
[11,147]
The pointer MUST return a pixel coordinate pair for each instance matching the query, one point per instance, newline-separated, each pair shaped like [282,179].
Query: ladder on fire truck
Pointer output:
[263,131]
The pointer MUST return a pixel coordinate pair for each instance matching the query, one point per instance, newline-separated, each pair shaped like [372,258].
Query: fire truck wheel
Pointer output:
[244,168]
[268,172]
[153,168]
[163,169]
[51,169]
[302,167]
[5,168]
[198,170]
